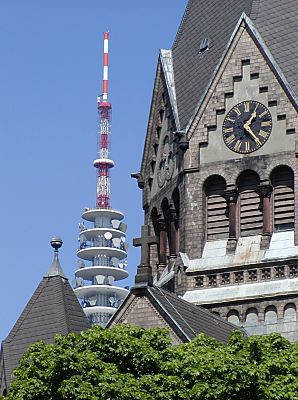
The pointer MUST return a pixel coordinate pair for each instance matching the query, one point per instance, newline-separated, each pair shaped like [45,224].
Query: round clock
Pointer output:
[247,127]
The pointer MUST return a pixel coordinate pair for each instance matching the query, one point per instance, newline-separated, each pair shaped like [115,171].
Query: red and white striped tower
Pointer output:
[102,250]
[103,163]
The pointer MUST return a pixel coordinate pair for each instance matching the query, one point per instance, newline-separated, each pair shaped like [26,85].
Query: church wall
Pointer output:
[263,316]
[243,75]
[142,313]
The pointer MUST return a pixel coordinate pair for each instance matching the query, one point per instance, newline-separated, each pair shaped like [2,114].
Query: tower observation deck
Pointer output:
[102,248]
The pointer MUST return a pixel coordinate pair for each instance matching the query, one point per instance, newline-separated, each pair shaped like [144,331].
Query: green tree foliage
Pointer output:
[129,363]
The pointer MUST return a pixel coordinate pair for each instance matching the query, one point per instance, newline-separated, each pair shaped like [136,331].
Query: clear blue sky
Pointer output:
[50,76]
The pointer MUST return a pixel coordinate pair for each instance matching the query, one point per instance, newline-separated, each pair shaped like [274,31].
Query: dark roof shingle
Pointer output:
[275,20]
[190,319]
[52,309]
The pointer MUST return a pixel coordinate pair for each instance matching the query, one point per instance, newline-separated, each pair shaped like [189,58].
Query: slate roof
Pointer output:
[52,309]
[186,319]
[190,320]
[275,20]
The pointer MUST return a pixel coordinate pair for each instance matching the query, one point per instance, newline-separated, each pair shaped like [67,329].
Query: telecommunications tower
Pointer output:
[102,248]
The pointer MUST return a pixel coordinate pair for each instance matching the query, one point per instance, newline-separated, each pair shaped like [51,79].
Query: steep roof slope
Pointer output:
[170,311]
[190,319]
[275,20]
[52,309]
[277,23]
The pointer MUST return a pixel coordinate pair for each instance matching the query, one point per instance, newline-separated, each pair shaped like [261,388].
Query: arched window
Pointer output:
[215,313]
[165,207]
[282,179]
[217,217]
[251,318]
[290,313]
[233,317]
[155,250]
[175,227]
[270,321]
[249,204]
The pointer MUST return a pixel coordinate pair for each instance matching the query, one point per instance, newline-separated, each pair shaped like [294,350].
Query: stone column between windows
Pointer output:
[173,233]
[265,193]
[231,198]
[163,239]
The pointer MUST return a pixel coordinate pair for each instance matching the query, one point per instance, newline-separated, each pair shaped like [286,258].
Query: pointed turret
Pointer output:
[52,309]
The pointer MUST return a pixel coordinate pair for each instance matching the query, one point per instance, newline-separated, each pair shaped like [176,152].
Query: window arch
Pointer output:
[270,320]
[233,317]
[217,218]
[282,179]
[249,204]
[290,313]
[251,318]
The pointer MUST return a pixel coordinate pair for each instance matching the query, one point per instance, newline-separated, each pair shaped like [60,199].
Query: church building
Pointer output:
[219,179]
[219,169]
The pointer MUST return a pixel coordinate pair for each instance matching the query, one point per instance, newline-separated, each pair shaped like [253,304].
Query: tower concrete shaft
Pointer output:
[102,248]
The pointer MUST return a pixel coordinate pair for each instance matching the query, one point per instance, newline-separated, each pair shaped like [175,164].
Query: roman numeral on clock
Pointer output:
[246,106]
[264,134]
[237,111]
[237,146]
[266,123]
[230,139]
[266,112]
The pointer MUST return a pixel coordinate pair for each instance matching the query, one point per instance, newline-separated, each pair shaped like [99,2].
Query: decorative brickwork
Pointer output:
[225,195]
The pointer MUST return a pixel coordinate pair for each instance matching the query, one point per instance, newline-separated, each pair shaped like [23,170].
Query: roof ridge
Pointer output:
[30,304]
[198,308]
[66,317]
[178,34]
[256,37]
[164,295]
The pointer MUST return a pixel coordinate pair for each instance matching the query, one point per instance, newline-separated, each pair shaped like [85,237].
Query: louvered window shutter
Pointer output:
[251,214]
[283,198]
[217,212]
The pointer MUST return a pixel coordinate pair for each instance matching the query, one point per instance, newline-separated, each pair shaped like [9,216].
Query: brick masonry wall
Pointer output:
[192,174]
[289,329]
[142,313]
[243,49]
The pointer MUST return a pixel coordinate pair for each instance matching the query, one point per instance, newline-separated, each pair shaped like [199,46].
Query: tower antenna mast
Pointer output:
[103,247]
[104,163]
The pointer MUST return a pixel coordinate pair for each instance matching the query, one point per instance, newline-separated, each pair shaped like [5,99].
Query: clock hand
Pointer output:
[248,122]
[248,129]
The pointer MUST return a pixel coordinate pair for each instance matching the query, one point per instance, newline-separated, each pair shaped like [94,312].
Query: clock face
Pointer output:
[247,127]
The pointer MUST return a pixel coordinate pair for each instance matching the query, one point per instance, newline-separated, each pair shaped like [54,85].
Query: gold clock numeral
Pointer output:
[230,139]
[264,113]
[266,123]
[247,127]
[237,146]
[264,134]
[237,111]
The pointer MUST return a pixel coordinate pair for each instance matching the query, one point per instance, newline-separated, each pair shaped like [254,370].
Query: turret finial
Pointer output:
[55,268]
